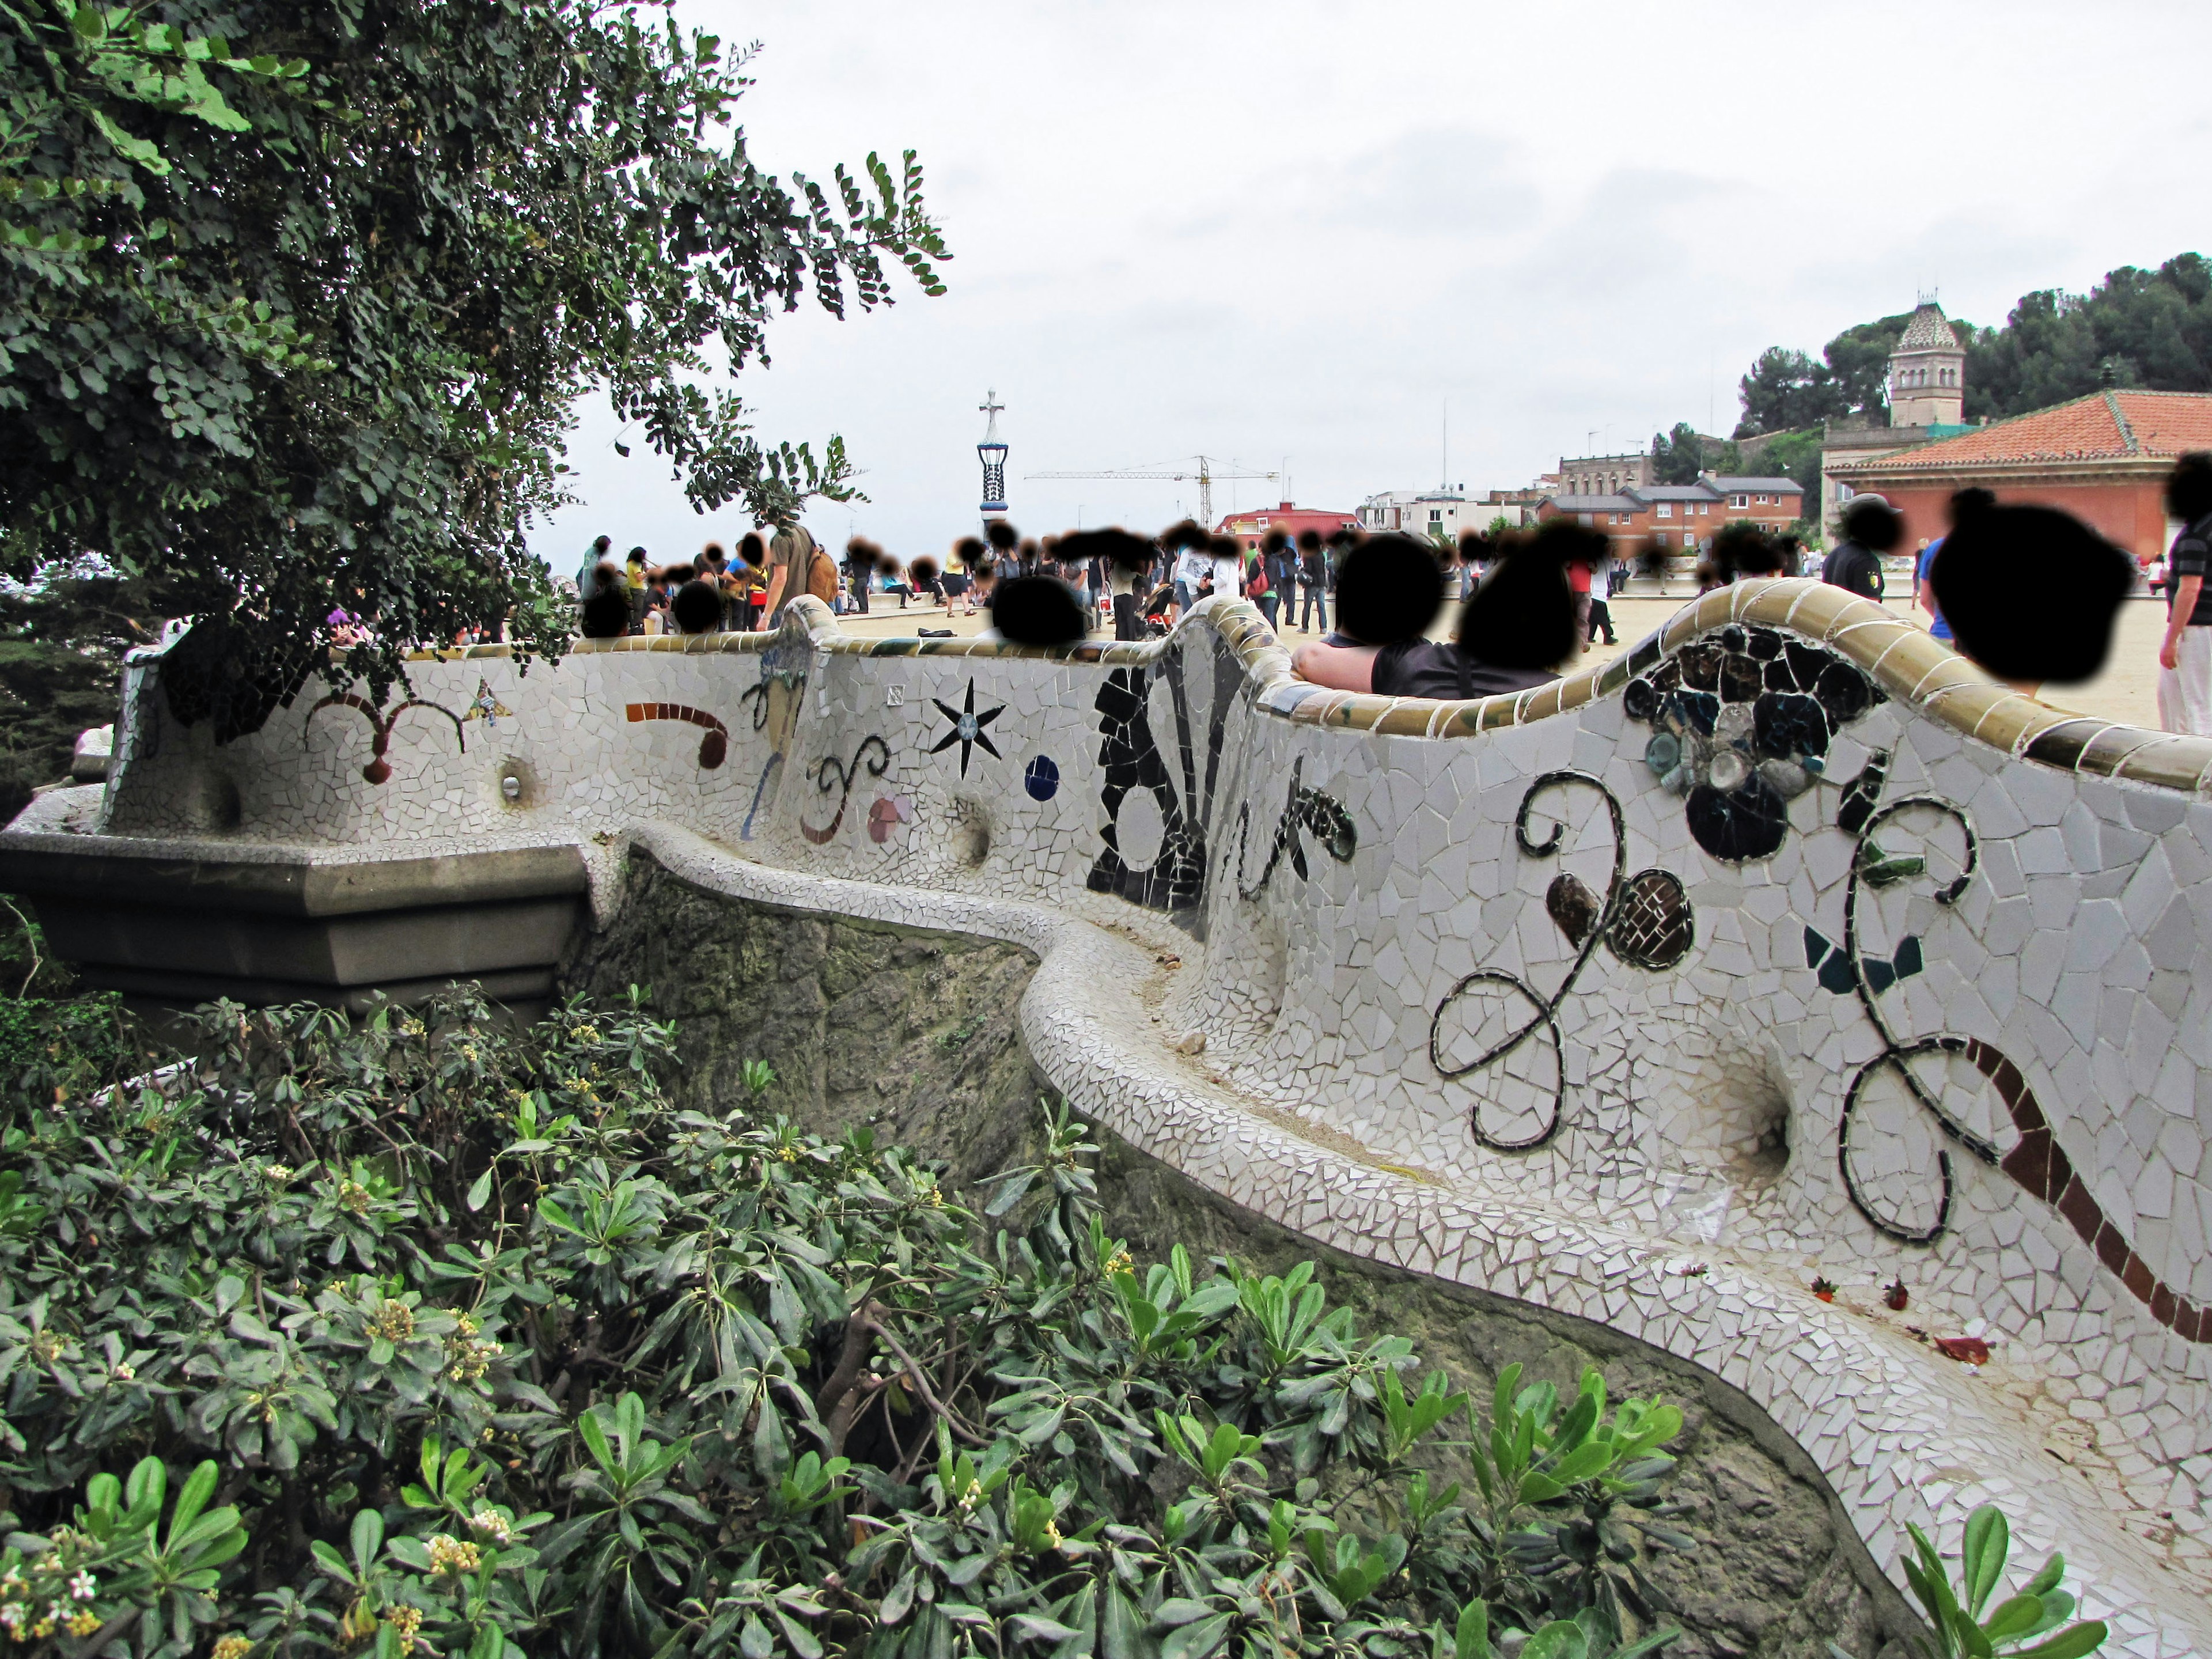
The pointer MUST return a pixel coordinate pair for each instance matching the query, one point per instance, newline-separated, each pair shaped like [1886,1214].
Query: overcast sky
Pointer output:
[1290,234]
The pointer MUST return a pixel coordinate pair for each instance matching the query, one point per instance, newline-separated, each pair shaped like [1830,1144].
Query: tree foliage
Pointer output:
[1678,456]
[2136,328]
[449,1333]
[1796,456]
[296,295]
[1786,390]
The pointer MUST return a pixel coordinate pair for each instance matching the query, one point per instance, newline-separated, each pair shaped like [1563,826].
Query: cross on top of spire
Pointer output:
[991,406]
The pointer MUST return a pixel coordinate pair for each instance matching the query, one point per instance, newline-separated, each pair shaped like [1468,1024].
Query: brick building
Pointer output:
[1605,475]
[1680,517]
[1254,523]
[2103,458]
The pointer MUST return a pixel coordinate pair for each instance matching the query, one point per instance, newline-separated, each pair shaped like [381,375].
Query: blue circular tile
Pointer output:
[1042,780]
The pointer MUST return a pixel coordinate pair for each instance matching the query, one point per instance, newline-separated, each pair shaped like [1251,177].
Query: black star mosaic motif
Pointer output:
[967,728]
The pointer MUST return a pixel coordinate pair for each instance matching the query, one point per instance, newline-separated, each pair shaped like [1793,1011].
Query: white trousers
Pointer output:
[2184,693]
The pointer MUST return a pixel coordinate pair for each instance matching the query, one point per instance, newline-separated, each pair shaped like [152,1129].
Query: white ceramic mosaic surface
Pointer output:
[1950,1028]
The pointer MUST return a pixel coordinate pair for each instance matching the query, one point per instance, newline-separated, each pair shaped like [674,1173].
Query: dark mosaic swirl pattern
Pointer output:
[1643,919]
[2037,1162]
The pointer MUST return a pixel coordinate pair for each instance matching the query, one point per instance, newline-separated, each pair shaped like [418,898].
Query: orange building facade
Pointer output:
[1251,526]
[2103,458]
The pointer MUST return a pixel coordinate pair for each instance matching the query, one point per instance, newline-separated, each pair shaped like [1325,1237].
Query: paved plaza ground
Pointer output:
[2127,691]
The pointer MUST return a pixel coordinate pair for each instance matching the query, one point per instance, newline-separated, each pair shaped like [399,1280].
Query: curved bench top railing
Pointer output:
[1912,666]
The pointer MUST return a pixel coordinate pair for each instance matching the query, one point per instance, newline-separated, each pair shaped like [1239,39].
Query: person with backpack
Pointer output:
[796,566]
[1257,588]
[1313,581]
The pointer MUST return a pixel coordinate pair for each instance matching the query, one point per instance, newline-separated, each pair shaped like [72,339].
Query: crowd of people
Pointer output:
[1529,602]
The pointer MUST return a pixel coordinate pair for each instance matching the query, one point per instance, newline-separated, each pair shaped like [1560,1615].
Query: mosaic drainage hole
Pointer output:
[971,832]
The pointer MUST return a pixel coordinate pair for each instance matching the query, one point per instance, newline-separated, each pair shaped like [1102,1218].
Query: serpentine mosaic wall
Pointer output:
[1786,935]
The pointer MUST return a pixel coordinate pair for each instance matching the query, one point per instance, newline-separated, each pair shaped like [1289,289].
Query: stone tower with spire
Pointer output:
[1927,372]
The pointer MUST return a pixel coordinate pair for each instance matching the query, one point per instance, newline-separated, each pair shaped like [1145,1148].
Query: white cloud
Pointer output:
[1294,231]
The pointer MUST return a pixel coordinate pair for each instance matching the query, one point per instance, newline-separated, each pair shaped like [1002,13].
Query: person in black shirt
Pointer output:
[1871,527]
[1513,632]
[2185,656]
[1313,581]
[1124,562]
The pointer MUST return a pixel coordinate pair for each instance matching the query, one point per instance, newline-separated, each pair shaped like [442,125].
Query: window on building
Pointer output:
[1664,510]
[1739,500]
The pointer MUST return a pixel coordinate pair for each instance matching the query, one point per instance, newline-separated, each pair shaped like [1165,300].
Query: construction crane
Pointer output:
[1201,468]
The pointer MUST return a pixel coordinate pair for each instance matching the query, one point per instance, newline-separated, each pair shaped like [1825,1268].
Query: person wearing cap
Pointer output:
[1871,527]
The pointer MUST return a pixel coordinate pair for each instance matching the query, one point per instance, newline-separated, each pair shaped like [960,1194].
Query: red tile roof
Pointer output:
[2102,425]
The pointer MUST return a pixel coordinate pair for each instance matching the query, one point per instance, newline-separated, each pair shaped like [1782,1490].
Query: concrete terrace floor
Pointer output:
[2126,692]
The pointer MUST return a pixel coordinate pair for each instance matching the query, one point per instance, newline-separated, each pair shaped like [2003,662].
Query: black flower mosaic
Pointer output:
[1132,759]
[1741,721]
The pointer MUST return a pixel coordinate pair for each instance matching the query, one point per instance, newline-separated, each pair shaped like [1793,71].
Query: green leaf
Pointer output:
[1034,1628]
[1560,1639]
[1471,1636]
[897,1600]
[198,1487]
[480,1189]
[595,1441]
[1195,1641]
[1585,1462]
[1988,1540]
[2069,1644]
[1181,1610]
[1538,1488]
[367,1538]
[2015,1616]
[1652,1643]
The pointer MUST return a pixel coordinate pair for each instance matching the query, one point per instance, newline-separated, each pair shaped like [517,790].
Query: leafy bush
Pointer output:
[58,1050]
[455,1335]
[2026,1625]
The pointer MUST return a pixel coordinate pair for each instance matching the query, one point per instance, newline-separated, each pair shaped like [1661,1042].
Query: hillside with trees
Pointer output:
[2148,329]
[2151,329]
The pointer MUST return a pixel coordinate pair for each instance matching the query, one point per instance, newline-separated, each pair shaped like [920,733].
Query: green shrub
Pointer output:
[60,1049]
[2029,1624]
[452,1334]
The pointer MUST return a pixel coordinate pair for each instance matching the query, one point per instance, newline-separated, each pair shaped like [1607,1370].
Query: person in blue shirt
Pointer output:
[1924,591]
[1923,588]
